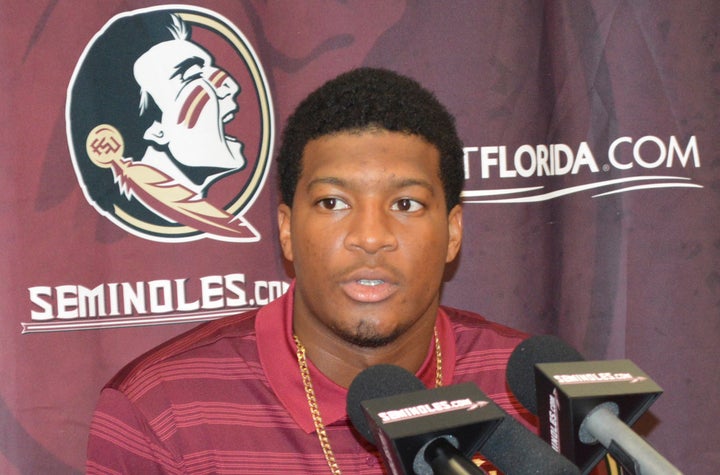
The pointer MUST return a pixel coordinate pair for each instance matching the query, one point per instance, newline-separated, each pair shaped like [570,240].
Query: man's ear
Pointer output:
[155,133]
[455,230]
[284,217]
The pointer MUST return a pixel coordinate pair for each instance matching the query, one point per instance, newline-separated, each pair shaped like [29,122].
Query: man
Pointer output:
[370,173]
[169,104]
[196,99]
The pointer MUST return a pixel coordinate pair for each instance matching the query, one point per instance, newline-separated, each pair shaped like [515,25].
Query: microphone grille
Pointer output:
[521,365]
[375,382]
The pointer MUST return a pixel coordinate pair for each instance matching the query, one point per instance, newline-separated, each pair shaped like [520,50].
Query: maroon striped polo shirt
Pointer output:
[227,397]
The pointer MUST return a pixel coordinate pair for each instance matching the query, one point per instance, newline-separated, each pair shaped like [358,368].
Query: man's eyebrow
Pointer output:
[327,180]
[185,64]
[408,182]
[393,183]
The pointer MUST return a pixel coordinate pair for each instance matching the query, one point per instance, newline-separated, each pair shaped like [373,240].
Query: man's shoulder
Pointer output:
[215,339]
[467,324]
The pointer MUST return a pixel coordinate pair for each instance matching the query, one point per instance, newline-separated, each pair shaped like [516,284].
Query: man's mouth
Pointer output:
[228,117]
[370,282]
[369,289]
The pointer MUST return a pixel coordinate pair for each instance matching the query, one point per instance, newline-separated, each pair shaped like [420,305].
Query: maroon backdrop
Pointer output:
[592,204]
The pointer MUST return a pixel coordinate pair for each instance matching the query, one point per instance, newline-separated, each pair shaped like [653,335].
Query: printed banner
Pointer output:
[138,143]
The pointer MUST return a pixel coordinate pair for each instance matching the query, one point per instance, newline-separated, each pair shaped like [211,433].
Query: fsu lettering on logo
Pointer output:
[170,125]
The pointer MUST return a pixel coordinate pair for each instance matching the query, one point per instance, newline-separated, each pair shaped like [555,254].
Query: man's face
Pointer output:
[369,235]
[196,99]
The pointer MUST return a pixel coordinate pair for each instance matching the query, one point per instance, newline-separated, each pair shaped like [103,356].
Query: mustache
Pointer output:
[369,270]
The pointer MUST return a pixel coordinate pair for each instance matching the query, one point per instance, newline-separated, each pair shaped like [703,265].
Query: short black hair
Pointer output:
[106,85]
[105,92]
[365,99]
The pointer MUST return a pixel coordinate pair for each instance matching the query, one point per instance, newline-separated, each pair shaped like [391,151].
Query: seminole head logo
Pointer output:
[170,127]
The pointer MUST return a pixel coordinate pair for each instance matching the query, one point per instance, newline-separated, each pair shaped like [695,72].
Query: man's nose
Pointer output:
[224,84]
[371,229]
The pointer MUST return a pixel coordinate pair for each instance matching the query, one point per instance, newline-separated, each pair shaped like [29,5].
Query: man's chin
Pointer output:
[366,336]
[235,147]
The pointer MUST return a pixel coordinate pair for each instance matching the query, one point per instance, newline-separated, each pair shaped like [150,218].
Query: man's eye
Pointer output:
[332,204]
[192,73]
[407,205]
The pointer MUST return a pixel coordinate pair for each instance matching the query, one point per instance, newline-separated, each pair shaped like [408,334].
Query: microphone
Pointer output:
[436,431]
[580,403]
[391,409]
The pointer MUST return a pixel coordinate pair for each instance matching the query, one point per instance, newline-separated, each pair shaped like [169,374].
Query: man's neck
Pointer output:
[341,361]
[160,161]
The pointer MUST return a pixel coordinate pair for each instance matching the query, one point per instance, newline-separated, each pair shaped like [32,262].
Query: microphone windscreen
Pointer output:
[377,381]
[520,371]
[516,451]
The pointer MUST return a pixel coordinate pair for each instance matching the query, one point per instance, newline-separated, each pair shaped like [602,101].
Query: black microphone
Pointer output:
[580,403]
[382,399]
[390,408]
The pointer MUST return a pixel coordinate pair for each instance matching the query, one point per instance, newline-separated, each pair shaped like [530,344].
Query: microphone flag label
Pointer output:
[567,392]
[404,423]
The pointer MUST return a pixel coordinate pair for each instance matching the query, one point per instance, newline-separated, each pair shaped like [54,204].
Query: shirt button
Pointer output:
[370,460]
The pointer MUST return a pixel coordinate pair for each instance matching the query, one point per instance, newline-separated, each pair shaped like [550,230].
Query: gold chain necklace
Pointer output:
[315,410]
